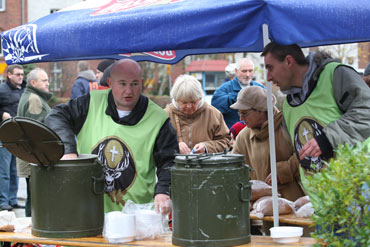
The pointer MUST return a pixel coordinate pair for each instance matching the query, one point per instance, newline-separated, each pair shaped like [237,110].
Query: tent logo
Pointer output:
[122,5]
[21,46]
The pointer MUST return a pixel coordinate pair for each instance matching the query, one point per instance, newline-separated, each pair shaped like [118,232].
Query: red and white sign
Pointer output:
[163,55]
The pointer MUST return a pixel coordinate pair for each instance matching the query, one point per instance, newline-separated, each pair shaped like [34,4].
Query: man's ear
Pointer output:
[33,83]
[109,82]
[289,60]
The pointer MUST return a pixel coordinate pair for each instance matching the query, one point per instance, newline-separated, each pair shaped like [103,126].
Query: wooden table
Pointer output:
[256,241]
[288,219]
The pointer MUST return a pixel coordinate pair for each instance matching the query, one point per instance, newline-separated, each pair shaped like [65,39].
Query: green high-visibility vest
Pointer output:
[307,120]
[126,151]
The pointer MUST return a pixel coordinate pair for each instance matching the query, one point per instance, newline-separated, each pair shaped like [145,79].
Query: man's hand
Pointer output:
[70,156]
[162,204]
[311,148]
[184,149]
[268,179]
[6,116]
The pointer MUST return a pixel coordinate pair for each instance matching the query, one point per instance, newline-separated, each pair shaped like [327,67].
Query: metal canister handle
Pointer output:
[96,182]
[241,192]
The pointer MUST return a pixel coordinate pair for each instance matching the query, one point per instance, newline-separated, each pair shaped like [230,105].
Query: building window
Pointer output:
[2,5]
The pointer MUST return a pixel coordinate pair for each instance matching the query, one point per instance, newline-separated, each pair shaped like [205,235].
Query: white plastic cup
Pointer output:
[119,227]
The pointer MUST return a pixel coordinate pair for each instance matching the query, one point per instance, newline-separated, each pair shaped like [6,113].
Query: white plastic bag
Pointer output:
[9,222]
[263,207]
[305,211]
[149,224]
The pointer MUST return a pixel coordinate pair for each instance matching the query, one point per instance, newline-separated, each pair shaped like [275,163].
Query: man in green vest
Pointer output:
[327,102]
[131,135]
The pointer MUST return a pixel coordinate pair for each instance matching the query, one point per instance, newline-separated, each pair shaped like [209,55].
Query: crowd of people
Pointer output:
[327,104]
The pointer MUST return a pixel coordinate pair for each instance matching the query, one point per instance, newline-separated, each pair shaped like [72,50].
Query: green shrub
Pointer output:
[341,198]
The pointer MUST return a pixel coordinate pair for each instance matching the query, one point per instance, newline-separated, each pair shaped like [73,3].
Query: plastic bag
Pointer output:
[263,207]
[149,224]
[301,201]
[9,222]
[260,189]
[305,211]
[7,219]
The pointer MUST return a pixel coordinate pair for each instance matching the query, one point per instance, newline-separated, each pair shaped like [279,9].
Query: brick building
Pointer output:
[12,14]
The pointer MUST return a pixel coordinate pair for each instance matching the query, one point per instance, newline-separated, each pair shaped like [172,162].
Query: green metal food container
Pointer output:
[66,195]
[210,196]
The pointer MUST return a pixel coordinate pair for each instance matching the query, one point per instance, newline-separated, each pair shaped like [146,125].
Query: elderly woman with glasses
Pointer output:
[199,126]
[253,143]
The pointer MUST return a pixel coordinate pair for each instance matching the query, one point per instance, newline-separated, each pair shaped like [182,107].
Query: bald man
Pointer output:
[131,135]
[226,95]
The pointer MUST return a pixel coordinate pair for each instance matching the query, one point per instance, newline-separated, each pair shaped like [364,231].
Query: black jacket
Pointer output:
[67,120]
[9,97]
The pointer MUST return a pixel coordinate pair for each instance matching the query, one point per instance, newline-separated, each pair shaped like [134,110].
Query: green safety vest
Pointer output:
[126,151]
[307,120]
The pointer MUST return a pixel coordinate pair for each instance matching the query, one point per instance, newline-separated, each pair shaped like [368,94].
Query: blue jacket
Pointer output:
[225,96]
[81,85]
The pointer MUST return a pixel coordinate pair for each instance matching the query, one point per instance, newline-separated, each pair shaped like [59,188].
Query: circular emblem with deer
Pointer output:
[119,167]
[305,130]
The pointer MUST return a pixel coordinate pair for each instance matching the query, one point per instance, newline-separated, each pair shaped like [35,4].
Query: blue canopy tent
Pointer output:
[176,28]
[117,29]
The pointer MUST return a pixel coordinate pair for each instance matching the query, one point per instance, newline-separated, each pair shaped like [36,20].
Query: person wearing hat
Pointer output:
[253,143]
[367,75]
[234,131]
[100,69]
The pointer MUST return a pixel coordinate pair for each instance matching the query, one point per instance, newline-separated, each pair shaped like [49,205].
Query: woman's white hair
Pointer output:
[186,88]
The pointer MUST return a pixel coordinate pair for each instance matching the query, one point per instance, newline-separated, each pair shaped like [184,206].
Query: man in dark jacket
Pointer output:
[132,136]
[85,82]
[10,93]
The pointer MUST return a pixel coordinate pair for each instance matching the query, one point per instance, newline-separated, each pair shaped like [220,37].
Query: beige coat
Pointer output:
[254,144]
[206,125]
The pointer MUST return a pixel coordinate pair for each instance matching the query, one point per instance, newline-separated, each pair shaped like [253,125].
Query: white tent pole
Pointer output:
[270,115]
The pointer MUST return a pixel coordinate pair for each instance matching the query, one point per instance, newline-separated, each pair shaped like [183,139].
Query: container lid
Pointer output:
[31,141]
[209,159]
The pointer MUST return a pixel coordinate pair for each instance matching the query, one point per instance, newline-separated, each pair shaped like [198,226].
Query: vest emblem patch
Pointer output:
[305,130]
[119,167]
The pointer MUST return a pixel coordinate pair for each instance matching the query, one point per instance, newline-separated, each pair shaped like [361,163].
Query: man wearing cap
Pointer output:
[226,95]
[102,66]
[253,143]
[367,75]
[135,139]
[327,103]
